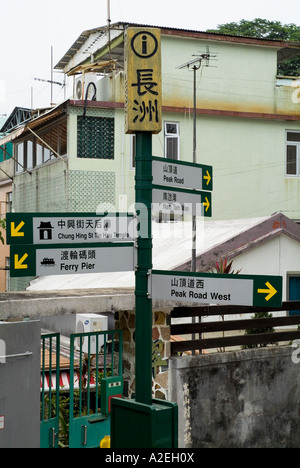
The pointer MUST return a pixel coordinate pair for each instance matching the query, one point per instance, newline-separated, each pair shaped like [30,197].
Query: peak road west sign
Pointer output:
[202,288]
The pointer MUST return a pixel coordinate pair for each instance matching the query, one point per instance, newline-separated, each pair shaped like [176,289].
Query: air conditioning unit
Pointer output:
[81,85]
[90,323]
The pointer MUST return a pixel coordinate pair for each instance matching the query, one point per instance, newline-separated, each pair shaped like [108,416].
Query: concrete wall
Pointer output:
[245,399]
[42,191]
[241,78]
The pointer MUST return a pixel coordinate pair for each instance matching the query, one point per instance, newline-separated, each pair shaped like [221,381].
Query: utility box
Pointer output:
[90,323]
[136,425]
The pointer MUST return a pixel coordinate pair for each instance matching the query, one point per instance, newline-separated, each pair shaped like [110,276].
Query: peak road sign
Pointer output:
[170,173]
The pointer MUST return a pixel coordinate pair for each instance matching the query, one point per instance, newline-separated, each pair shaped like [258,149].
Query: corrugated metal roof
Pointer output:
[172,244]
[37,121]
[287,49]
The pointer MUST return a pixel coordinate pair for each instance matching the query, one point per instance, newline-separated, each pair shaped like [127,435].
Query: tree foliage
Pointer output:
[265,29]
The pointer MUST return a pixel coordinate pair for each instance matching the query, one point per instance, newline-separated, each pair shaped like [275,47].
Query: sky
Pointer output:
[29,28]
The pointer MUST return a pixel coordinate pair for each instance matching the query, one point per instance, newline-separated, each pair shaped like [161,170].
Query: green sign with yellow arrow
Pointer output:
[69,228]
[209,288]
[30,260]
[182,174]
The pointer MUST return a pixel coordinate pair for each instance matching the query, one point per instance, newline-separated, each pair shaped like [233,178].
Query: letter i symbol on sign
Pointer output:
[144,45]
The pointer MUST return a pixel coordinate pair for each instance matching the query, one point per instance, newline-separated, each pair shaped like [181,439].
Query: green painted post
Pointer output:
[143,338]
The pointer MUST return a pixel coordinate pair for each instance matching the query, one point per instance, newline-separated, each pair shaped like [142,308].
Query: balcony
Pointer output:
[287,95]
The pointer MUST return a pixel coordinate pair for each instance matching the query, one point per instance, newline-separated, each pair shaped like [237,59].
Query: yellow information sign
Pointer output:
[143,106]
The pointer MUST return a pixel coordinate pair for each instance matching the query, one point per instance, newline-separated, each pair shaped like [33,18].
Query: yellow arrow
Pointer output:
[207,177]
[206,204]
[19,264]
[271,291]
[15,231]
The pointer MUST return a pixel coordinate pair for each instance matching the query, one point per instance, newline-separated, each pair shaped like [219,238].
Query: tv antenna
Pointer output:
[51,81]
[196,63]
[109,28]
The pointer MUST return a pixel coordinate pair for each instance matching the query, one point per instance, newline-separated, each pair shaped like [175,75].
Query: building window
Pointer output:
[20,158]
[5,152]
[293,154]
[294,291]
[9,202]
[172,140]
[95,137]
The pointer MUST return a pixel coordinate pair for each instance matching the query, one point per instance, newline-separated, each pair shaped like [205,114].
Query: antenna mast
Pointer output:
[108,27]
[51,81]
[195,65]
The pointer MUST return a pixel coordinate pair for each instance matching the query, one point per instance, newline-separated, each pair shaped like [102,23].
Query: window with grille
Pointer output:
[95,137]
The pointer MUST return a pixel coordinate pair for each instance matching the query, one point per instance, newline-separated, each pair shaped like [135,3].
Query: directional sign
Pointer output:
[170,173]
[27,260]
[202,288]
[70,228]
[194,202]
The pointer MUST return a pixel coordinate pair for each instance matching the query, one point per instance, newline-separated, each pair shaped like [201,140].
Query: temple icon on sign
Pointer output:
[45,231]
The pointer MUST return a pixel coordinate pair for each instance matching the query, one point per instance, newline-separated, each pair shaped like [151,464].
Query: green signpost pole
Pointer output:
[145,422]
[143,302]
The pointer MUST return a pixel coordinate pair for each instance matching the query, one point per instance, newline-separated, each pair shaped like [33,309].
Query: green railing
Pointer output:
[99,356]
[49,405]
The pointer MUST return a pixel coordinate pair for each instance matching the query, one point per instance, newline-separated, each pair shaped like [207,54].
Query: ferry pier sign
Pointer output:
[28,260]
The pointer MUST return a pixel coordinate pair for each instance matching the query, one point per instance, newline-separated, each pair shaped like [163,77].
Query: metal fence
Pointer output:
[261,330]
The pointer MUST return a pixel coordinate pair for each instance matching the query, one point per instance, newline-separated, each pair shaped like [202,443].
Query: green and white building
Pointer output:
[248,126]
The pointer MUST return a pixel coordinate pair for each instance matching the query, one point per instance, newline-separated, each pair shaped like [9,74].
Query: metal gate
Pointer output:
[50,346]
[95,377]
